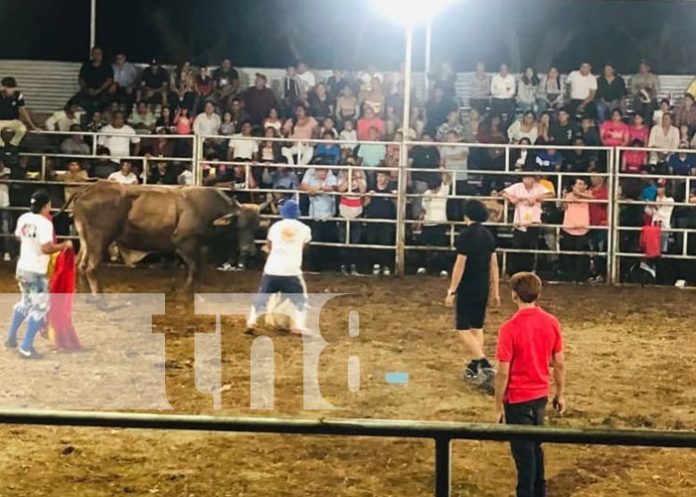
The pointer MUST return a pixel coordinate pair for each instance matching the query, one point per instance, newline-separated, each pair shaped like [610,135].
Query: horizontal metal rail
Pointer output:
[442,433]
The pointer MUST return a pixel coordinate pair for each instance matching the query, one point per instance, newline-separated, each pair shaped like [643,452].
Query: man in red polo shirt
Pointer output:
[599,216]
[527,344]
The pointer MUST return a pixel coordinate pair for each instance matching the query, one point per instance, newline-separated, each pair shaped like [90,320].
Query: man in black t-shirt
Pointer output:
[154,84]
[423,157]
[562,131]
[12,112]
[226,80]
[96,77]
[380,206]
[474,278]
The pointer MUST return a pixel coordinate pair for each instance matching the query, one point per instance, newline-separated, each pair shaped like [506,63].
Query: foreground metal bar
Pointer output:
[442,433]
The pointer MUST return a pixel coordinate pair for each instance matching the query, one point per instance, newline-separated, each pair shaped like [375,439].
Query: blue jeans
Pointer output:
[34,300]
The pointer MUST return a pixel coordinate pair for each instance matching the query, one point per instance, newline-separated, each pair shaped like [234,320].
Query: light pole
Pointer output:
[92,25]
[408,13]
[428,55]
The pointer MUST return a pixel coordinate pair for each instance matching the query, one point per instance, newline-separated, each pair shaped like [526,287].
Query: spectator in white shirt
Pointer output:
[663,136]
[125,176]
[208,122]
[583,87]
[242,146]
[118,137]
[305,77]
[62,120]
[503,89]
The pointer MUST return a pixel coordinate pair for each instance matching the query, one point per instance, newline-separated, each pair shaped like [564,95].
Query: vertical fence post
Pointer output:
[196,156]
[443,466]
[614,232]
[611,169]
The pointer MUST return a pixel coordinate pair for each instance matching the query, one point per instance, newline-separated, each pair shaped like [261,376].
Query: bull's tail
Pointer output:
[73,198]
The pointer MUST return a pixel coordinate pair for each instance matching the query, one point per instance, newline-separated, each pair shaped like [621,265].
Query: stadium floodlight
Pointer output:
[411,12]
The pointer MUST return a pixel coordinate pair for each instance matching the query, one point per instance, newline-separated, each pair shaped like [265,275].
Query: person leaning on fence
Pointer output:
[378,205]
[576,222]
[527,197]
[35,231]
[527,344]
[13,112]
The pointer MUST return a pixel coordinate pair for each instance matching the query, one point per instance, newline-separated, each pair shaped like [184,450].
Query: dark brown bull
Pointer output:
[145,219]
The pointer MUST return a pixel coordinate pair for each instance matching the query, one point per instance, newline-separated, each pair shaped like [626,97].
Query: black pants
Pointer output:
[93,103]
[351,255]
[645,109]
[590,109]
[320,257]
[435,236]
[522,240]
[480,105]
[575,266]
[381,234]
[528,455]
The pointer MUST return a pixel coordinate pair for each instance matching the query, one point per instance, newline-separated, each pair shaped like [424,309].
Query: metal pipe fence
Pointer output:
[441,433]
[403,177]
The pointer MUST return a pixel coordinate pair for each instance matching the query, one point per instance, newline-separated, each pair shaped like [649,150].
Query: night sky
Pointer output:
[348,33]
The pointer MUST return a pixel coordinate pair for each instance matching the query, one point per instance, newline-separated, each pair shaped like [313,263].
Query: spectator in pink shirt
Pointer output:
[638,130]
[370,120]
[576,222]
[183,122]
[634,161]
[615,133]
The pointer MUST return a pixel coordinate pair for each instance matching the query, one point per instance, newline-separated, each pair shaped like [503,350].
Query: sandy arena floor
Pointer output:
[631,364]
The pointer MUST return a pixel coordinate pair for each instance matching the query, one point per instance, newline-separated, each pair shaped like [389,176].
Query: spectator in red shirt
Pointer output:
[615,132]
[599,216]
[527,344]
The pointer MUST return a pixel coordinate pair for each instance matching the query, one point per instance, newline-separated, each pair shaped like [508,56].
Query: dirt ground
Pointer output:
[630,354]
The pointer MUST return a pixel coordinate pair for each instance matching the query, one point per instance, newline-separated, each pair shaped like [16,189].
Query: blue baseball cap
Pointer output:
[290,210]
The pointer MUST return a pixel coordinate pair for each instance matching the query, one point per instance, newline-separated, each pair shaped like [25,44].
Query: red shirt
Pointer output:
[364,126]
[528,341]
[614,134]
[598,212]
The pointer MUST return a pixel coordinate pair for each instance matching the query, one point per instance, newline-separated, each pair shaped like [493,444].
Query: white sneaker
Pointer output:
[6,257]
[226,267]
[386,272]
[354,270]
[376,269]
[443,274]
[421,271]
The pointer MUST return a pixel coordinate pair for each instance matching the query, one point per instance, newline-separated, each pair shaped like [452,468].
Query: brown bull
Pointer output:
[146,219]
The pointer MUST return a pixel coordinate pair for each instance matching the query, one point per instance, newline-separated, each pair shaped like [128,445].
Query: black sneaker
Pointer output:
[486,380]
[29,354]
[11,343]
[471,372]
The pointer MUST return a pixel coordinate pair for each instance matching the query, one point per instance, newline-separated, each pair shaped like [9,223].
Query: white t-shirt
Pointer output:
[118,145]
[288,238]
[307,80]
[119,177]
[34,230]
[503,87]
[244,148]
[580,86]
[435,205]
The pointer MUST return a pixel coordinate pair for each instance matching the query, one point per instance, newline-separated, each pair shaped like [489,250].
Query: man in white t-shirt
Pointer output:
[503,90]
[527,197]
[35,232]
[118,136]
[125,176]
[583,88]
[282,273]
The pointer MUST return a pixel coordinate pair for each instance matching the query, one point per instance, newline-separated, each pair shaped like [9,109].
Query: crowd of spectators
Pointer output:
[334,149]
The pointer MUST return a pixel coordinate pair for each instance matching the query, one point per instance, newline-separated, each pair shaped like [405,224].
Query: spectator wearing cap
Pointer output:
[259,100]
[154,84]
[63,120]
[125,79]
[645,88]
[96,77]
[13,111]
[319,183]
[226,80]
